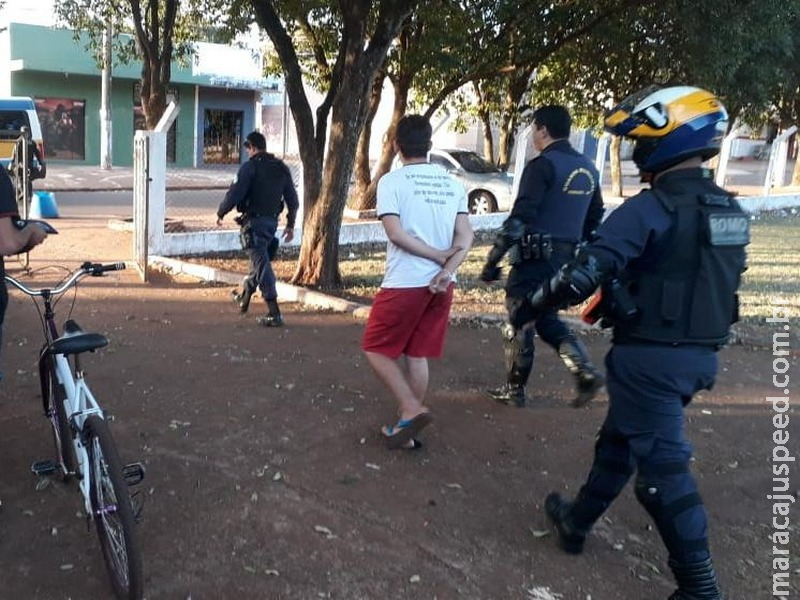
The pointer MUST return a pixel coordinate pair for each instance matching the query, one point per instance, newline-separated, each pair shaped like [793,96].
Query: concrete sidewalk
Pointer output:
[62,177]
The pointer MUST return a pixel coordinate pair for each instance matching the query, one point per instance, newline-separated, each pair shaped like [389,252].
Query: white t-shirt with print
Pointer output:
[427,200]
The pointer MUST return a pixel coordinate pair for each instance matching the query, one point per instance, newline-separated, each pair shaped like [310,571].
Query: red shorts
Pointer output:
[410,321]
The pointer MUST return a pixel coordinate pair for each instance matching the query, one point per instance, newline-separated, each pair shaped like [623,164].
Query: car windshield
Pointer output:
[472,162]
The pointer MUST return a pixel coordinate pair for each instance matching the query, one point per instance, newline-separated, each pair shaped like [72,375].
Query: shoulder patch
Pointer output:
[728,229]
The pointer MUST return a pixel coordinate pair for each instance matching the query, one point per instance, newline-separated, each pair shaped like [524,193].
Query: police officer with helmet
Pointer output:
[258,192]
[559,204]
[669,262]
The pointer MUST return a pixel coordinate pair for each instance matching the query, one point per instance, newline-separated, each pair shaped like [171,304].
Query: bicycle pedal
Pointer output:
[133,473]
[44,467]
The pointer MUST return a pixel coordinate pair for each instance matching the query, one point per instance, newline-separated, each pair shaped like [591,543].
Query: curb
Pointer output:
[360,312]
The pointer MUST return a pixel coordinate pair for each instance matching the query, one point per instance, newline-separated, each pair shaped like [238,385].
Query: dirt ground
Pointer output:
[266,476]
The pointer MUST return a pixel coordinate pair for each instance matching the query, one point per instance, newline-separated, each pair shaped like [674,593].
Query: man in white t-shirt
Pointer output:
[424,213]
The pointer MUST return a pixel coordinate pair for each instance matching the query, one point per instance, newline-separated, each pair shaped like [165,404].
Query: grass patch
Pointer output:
[772,277]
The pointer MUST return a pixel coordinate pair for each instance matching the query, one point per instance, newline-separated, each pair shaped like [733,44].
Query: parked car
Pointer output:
[488,188]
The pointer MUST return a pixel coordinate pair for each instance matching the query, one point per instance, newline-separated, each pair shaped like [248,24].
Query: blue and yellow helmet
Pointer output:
[669,125]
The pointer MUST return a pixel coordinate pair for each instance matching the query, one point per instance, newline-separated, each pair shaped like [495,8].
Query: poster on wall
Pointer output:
[63,127]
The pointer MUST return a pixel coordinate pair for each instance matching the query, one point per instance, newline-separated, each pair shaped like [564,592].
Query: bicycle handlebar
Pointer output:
[87,268]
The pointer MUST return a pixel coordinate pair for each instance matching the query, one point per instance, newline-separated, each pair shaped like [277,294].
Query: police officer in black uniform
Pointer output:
[259,191]
[669,262]
[559,204]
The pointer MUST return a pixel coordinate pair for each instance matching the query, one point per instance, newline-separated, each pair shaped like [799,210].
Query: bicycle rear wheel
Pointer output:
[112,511]
[56,413]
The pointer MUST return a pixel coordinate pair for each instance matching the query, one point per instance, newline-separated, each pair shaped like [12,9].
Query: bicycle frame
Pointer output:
[79,404]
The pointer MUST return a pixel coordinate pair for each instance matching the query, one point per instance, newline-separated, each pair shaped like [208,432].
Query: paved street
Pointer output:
[84,191]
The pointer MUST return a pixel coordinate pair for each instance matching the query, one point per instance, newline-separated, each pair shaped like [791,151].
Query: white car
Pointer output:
[488,188]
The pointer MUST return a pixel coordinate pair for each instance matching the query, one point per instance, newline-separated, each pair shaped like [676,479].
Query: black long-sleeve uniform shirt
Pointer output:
[261,187]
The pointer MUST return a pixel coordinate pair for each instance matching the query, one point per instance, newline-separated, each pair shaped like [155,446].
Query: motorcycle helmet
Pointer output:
[669,125]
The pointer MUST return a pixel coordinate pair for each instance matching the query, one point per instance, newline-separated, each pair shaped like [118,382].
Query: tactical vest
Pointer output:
[563,209]
[689,296]
[266,191]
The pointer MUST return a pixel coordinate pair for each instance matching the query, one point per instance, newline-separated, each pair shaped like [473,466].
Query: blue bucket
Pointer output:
[43,206]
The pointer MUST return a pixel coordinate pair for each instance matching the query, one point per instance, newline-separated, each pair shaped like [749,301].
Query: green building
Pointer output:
[219,95]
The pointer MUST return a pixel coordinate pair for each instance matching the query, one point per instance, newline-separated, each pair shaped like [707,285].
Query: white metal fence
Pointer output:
[180,214]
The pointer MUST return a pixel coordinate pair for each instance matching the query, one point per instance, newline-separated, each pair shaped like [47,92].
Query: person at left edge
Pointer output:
[12,239]
[259,191]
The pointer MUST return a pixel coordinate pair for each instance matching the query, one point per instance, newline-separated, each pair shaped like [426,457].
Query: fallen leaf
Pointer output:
[540,533]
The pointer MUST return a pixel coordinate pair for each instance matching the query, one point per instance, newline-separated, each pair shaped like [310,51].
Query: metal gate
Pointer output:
[141,201]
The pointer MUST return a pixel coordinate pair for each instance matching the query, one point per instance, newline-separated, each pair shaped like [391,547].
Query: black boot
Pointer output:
[588,380]
[557,510]
[513,395]
[273,319]
[242,300]
[518,355]
[696,581]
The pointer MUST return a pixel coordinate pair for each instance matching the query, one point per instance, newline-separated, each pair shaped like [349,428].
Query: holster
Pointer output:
[246,234]
[616,306]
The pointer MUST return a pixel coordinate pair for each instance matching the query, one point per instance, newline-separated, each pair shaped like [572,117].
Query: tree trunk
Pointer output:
[318,264]
[369,198]
[363,174]
[504,144]
[488,139]
[154,30]
[311,151]
[616,166]
[154,96]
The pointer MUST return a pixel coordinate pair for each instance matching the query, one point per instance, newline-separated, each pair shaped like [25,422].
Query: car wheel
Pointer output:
[481,203]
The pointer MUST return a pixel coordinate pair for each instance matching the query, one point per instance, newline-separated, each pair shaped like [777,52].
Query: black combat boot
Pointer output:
[588,380]
[513,395]
[570,538]
[242,300]
[696,581]
[273,319]
[518,355]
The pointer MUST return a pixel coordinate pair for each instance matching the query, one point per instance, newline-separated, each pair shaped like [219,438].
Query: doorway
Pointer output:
[222,136]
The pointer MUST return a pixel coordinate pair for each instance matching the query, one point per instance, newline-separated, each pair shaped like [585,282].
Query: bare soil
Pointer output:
[267,477]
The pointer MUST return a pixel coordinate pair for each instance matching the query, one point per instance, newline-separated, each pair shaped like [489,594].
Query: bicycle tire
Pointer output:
[62,432]
[113,511]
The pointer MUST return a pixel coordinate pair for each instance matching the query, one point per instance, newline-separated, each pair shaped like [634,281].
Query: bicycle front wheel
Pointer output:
[113,511]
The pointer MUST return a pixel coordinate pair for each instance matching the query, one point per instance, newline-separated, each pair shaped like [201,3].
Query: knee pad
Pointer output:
[508,332]
[648,494]
[683,539]
[520,341]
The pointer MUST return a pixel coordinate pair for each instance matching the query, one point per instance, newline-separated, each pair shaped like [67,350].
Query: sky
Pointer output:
[36,12]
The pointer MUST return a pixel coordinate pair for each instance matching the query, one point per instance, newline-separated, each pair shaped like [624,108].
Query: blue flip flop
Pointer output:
[406,429]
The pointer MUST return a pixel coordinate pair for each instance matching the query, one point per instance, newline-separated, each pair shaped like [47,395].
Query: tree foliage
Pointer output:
[728,48]
[160,31]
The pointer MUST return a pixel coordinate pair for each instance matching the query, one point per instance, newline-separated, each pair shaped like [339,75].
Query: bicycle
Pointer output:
[85,449]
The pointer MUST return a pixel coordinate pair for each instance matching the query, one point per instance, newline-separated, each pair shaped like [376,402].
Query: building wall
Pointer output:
[47,63]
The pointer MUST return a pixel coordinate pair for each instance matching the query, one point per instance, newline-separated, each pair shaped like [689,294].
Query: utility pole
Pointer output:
[105,101]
